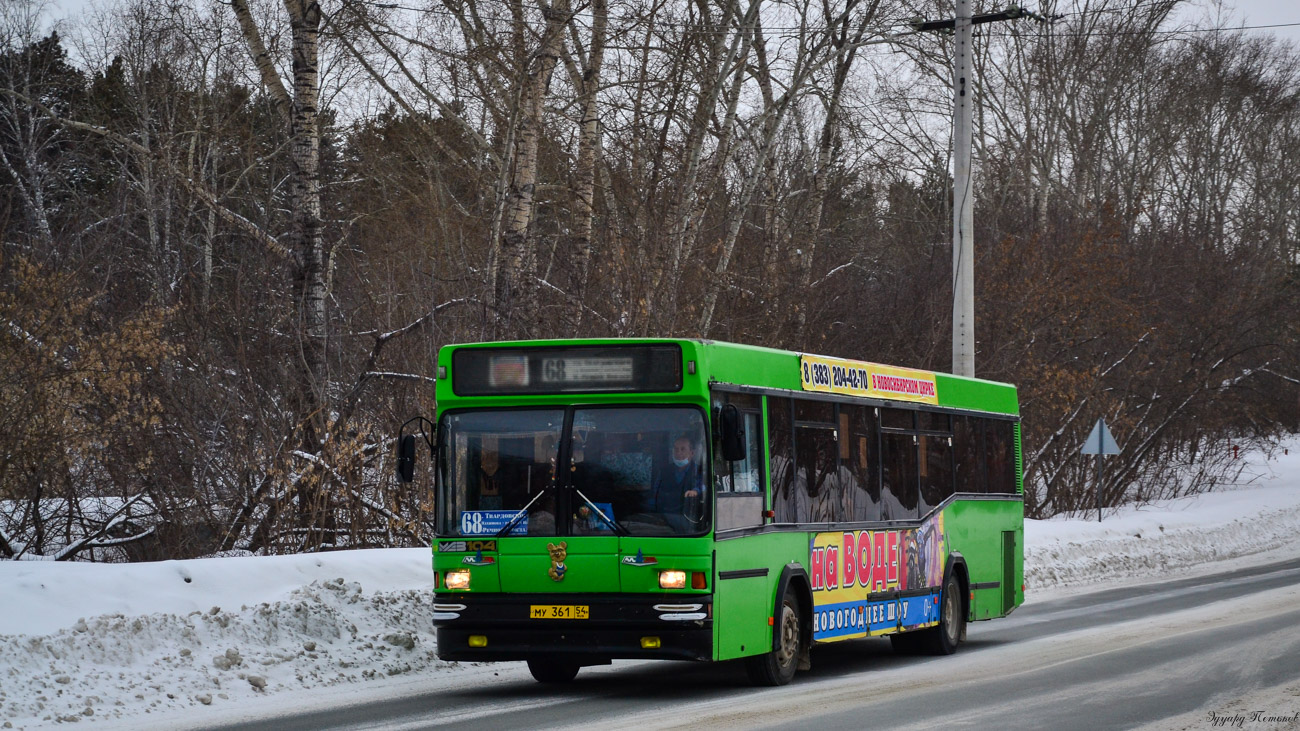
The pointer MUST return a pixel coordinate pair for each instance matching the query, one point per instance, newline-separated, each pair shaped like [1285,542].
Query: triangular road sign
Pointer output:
[1100,441]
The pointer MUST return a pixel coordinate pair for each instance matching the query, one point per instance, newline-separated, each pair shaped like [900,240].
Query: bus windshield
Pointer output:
[627,471]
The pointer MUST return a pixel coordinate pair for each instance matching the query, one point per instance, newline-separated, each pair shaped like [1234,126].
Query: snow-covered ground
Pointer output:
[1258,519]
[213,640]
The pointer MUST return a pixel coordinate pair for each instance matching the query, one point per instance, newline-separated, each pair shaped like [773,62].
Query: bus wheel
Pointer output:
[942,640]
[777,667]
[553,670]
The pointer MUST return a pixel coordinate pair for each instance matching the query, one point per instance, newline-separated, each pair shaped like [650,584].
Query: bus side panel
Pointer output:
[989,534]
[745,596]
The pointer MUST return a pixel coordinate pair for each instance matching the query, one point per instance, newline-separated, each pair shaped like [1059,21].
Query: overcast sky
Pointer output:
[1255,12]
[1250,12]
[1197,13]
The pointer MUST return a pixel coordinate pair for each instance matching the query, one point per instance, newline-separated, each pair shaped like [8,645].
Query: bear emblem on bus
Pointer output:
[558,554]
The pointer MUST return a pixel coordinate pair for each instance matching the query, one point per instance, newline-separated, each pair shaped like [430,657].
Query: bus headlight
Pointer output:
[458,579]
[672,579]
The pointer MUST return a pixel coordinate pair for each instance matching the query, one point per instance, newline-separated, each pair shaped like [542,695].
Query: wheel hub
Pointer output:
[950,617]
[789,637]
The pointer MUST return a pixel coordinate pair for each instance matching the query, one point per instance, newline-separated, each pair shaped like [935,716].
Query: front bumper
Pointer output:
[617,623]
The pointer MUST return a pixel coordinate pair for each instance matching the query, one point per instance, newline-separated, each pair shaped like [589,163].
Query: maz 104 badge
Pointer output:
[466,546]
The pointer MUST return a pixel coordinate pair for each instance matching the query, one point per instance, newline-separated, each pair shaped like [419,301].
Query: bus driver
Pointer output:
[681,485]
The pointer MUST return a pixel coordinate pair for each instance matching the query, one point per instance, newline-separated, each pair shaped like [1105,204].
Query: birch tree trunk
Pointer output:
[305,239]
[588,145]
[30,137]
[516,278]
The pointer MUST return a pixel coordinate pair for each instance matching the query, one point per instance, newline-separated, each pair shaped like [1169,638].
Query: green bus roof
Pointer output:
[734,364]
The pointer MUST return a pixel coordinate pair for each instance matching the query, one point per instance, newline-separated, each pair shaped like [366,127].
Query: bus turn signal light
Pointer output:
[697,580]
[478,640]
[650,643]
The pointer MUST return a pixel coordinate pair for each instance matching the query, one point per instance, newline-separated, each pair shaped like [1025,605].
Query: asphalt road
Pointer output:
[1120,658]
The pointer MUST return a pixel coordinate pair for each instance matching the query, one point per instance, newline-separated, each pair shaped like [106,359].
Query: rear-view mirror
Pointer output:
[406,458]
[733,434]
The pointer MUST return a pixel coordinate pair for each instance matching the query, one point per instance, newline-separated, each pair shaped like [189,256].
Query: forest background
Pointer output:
[234,234]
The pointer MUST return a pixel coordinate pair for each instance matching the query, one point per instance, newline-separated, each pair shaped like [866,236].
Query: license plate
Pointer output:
[558,611]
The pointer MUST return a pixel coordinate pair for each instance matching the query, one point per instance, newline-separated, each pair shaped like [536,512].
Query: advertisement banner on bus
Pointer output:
[859,378]
[851,569]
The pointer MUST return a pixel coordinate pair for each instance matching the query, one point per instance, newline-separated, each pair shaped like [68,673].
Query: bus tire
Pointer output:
[943,640]
[553,670]
[777,666]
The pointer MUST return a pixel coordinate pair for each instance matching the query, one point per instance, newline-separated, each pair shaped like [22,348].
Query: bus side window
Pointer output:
[816,461]
[936,475]
[1000,443]
[900,481]
[780,435]
[751,479]
[822,501]
[968,445]
[744,475]
[859,455]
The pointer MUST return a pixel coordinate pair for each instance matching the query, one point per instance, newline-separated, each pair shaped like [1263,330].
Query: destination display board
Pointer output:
[578,369]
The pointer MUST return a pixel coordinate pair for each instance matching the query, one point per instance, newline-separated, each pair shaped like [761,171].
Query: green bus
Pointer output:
[697,500]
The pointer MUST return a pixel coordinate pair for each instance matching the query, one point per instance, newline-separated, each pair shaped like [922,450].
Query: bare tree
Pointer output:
[35,68]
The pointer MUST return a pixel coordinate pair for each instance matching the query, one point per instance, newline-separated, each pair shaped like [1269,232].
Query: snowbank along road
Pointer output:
[206,642]
[1112,659]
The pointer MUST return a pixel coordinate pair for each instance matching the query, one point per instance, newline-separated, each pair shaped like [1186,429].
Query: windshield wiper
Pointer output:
[522,512]
[612,523]
[514,519]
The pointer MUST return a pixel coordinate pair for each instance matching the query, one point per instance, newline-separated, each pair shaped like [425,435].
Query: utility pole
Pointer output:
[963,208]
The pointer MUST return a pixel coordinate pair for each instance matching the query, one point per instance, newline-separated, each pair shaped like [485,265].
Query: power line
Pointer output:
[1171,32]
[686,26]
[883,28]
[1127,9]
